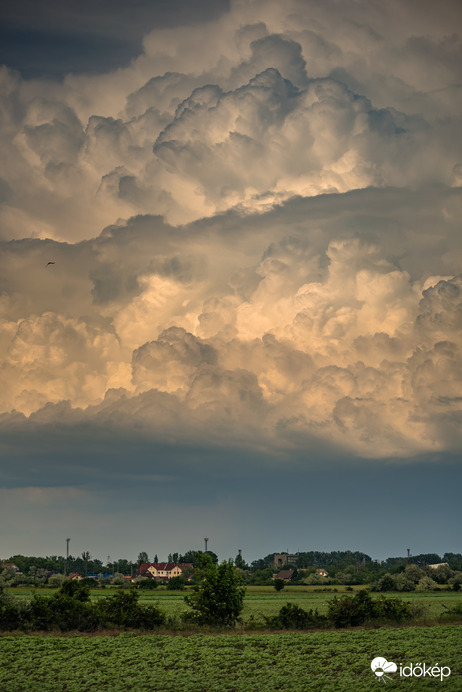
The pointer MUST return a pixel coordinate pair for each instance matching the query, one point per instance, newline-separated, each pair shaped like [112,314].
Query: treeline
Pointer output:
[338,560]
[83,564]
[343,567]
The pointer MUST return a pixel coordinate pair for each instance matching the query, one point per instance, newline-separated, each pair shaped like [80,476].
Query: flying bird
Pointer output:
[51,263]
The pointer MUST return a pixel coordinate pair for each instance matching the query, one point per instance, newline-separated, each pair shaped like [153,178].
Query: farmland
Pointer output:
[226,663]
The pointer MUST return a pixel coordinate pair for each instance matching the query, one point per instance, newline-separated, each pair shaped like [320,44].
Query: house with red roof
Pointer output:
[163,570]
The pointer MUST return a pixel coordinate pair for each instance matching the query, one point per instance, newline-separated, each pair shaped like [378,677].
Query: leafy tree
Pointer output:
[403,583]
[385,583]
[75,589]
[414,573]
[262,577]
[56,579]
[218,599]
[142,557]
[7,576]
[279,584]
[190,556]
[176,584]
[240,562]
[454,560]
[426,584]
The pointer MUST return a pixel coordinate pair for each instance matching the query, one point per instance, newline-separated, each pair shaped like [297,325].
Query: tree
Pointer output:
[279,584]
[86,557]
[176,584]
[142,557]
[218,599]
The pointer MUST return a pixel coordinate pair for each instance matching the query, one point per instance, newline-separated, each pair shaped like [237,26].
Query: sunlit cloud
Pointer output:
[256,243]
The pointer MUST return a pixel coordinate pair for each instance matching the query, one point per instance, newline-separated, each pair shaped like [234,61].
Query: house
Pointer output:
[163,570]
[285,574]
[322,572]
[438,564]
[11,566]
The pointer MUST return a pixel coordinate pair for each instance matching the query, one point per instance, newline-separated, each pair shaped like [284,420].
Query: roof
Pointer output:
[284,574]
[145,567]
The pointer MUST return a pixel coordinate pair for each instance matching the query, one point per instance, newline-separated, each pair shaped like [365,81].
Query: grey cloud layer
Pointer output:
[280,261]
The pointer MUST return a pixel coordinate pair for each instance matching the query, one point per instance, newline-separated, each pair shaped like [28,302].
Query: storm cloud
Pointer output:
[247,238]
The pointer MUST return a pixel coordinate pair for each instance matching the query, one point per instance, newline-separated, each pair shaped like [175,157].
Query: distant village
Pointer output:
[310,568]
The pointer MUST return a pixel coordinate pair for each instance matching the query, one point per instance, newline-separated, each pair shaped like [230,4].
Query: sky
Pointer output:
[230,277]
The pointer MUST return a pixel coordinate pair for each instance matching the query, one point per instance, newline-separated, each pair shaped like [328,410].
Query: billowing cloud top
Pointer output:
[254,234]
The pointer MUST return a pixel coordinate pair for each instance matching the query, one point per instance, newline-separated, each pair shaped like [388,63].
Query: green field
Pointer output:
[264,600]
[227,663]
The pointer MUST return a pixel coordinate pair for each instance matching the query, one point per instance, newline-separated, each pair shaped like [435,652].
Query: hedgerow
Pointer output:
[70,609]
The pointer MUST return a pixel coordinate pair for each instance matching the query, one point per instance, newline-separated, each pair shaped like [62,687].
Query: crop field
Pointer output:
[228,663]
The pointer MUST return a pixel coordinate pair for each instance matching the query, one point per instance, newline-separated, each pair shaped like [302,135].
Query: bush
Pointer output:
[70,609]
[147,583]
[75,589]
[61,611]
[453,614]
[12,614]
[279,584]
[291,616]
[123,610]
[351,611]
[218,598]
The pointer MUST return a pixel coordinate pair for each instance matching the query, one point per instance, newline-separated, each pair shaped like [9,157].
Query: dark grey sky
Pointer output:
[51,38]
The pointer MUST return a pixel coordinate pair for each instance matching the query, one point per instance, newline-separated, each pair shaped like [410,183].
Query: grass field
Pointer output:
[228,663]
[264,600]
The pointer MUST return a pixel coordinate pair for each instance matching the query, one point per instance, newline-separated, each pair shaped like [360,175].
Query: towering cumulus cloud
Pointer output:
[249,236]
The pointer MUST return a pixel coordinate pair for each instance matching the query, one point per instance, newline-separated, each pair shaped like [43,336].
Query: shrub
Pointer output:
[123,610]
[291,616]
[351,611]
[61,611]
[12,614]
[452,614]
[147,583]
[70,609]
[279,584]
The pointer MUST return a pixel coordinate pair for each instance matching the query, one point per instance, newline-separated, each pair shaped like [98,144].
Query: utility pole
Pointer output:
[68,540]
